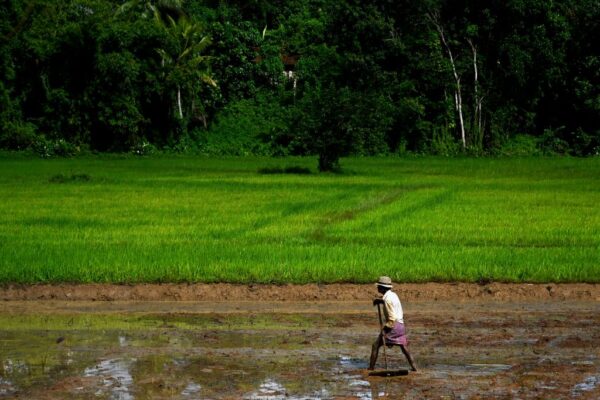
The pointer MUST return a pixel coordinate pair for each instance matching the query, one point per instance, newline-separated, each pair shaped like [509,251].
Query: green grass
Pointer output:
[174,219]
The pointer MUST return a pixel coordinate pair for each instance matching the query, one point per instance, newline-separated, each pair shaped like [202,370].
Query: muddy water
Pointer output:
[305,350]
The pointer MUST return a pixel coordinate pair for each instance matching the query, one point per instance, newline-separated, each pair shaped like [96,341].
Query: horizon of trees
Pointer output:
[299,77]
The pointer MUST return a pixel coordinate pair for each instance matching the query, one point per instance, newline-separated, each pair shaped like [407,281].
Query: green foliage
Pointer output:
[24,136]
[247,127]
[334,122]
[110,76]
[234,51]
[520,146]
[584,143]
[119,121]
[143,148]
[62,148]
[443,142]
[184,66]
[18,135]
[551,143]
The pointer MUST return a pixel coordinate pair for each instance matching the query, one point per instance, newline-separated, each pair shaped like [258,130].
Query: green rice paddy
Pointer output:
[191,219]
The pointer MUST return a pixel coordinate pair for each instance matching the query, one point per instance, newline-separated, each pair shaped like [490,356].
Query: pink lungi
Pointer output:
[397,335]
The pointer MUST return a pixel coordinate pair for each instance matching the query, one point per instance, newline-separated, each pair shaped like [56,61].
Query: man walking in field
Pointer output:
[393,332]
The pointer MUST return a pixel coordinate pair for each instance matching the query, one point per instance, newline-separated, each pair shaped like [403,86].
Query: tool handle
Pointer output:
[380,320]
[382,334]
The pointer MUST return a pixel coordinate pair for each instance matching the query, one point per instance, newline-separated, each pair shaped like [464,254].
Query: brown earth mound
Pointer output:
[312,292]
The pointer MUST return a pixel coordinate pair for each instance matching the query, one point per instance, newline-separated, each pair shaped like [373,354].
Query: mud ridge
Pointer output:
[504,292]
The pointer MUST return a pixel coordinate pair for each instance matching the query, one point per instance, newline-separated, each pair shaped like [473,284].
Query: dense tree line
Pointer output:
[327,77]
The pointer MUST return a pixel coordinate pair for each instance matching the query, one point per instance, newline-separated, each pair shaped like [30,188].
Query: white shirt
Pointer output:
[392,309]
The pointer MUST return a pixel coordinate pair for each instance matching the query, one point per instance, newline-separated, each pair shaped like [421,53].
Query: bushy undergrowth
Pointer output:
[246,127]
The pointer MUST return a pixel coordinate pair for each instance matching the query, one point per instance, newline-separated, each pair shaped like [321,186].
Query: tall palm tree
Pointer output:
[184,65]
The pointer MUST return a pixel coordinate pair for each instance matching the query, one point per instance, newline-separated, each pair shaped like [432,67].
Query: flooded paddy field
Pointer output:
[295,350]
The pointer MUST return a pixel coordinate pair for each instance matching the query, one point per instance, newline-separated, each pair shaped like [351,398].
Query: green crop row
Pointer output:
[186,219]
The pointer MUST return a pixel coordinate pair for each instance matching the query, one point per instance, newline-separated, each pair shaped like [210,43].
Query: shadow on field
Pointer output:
[293,170]
[62,178]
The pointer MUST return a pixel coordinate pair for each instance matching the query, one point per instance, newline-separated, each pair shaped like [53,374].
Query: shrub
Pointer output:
[584,143]
[143,148]
[442,142]
[62,148]
[520,145]
[19,135]
[246,127]
[550,143]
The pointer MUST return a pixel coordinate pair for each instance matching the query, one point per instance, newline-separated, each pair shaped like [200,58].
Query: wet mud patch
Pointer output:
[303,350]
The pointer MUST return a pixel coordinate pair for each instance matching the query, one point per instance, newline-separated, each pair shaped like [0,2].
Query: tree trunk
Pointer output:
[434,18]
[179,102]
[460,114]
[478,100]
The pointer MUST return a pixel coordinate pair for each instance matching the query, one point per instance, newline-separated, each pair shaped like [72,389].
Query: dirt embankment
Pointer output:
[312,292]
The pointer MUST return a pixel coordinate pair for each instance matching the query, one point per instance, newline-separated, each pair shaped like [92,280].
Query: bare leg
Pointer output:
[375,352]
[408,357]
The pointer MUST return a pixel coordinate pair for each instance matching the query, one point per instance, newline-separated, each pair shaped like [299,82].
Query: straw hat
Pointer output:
[384,281]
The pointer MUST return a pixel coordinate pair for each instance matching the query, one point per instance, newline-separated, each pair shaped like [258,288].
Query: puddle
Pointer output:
[116,378]
[269,390]
[295,356]
[589,384]
[6,387]
[192,389]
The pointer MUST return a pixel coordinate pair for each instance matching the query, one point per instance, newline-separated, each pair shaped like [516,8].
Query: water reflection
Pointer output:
[6,387]
[11,367]
[272,390]
[269,390]
[178,363]
[116,378]
[191,389]
[294,357]
[589,384]
[347,370]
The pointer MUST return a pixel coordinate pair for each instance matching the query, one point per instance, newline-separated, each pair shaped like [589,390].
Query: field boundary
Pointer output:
[503,292]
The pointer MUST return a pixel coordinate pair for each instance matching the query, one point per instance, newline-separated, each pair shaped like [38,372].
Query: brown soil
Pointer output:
[456,292]
[255,350]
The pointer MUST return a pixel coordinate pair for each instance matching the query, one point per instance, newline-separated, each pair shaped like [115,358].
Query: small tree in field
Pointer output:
[323,123]
[335,122]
